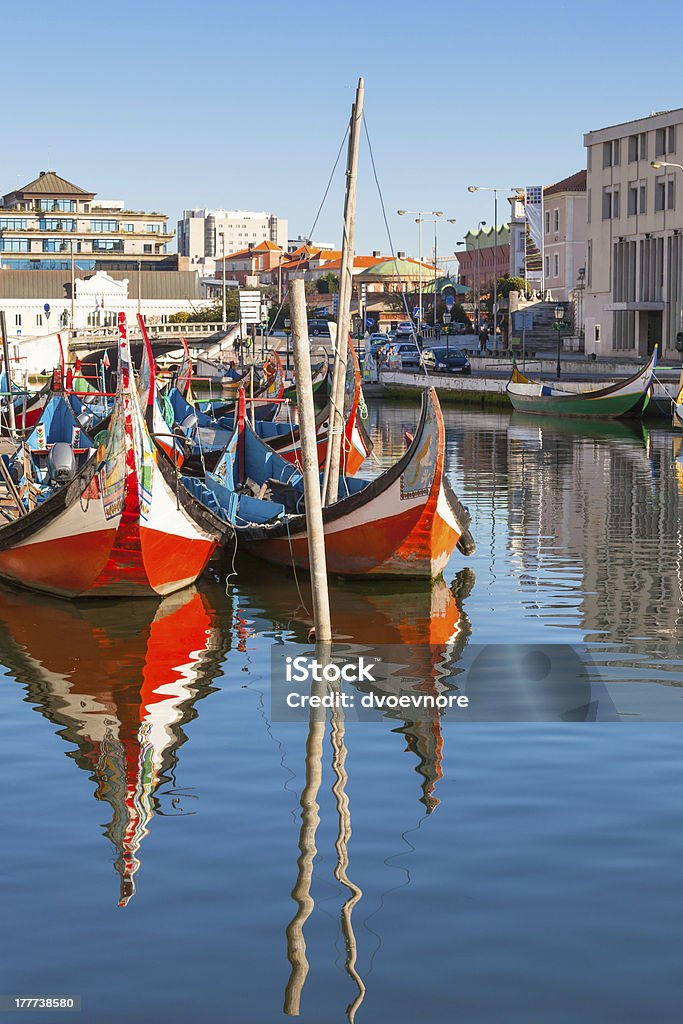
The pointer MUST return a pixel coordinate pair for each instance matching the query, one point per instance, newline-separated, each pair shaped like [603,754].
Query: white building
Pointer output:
[206,235]
[634,254]
[38,302]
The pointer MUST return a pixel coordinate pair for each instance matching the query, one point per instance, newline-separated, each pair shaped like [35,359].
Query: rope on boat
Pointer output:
[666,390]
[296,578]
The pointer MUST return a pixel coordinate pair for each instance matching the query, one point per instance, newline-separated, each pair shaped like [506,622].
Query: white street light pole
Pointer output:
[495,190]
[477,275]
[420,214]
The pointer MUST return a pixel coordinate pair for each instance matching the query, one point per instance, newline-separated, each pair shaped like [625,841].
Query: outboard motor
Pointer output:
[85,420]
[61,463]
[189,424]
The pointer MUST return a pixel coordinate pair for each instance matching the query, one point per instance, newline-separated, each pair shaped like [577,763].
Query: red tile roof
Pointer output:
[574,183]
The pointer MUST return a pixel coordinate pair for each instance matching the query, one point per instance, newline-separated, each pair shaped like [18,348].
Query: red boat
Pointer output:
[406,522]
[111,522]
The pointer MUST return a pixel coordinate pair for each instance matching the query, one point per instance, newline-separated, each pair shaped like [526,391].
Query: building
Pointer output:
[293,244]
[208,235]
[39,302]
[50,221]
[485,252]
[564,235]
[634,254]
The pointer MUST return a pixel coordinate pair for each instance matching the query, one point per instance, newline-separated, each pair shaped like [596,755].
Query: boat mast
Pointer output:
[336,427]
[8,375]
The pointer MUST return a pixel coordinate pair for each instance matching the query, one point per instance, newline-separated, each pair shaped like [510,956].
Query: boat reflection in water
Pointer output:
[121,688]
[363,614]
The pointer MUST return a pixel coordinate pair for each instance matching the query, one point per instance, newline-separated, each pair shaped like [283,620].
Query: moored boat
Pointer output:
[628,397]
[85,519]
[405,523]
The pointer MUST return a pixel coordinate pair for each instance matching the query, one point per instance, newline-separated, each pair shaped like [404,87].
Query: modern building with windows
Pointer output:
[207,235]
[50,221]
[634,252]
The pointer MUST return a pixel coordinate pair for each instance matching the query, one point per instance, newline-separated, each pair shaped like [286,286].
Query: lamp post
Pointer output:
[558,313]
[224,320]
[419,218]
[495,190]
[665,163]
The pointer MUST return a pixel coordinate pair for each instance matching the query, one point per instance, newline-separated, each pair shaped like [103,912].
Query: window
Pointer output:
[17,319]
[39,319]
[588,205]
[60,245]
[147,248]
[610,153]
[632,208]
[153,228]
[547,266]
[637,147]
[57,224]
[547,222]
[12,224]
[107,245]
[642,197]
[556,220]
[15,245]
[129,227]
[665,140]
[556,264]
[610,203]
[57,205]
[104,225]
[589,263]
[665,194]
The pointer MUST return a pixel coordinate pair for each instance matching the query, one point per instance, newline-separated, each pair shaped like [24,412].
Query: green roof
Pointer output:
[486,238]
[394,270]
[443,284]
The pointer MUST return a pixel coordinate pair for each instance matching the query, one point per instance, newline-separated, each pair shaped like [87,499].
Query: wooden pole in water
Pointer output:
[8,374]
[336,427]
[309,461]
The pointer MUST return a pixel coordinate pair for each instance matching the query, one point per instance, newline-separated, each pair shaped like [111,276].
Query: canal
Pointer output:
[170,852]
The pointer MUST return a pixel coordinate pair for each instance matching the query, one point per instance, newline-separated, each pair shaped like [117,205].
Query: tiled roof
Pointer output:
[50,183]
[574,183]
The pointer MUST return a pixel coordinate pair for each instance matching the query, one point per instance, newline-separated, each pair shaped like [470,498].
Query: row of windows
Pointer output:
[12,224]
[665,143]
[665,198]
[65,245]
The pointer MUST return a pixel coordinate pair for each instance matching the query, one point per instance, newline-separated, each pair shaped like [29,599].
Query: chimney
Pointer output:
[400,255]
[376,252]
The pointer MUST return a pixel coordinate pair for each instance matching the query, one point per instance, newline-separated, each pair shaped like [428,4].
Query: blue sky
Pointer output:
[175,104]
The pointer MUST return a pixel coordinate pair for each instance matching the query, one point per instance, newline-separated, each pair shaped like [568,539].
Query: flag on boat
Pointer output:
[105,362]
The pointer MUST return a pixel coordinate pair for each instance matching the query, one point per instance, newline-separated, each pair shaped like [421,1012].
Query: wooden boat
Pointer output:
[120,692]
[105,520]
[628,397]
[406,522]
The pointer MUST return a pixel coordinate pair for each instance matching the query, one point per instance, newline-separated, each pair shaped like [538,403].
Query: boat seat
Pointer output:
[256,510]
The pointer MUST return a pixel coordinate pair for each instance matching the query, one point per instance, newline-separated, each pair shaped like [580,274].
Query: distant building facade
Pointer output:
[634,247]
[207,235]
[565,225]
[49,221]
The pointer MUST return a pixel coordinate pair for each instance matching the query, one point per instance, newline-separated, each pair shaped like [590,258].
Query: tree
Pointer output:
[328,284]
[181,317]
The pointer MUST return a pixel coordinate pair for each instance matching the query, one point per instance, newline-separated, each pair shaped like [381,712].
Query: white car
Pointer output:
[405,330]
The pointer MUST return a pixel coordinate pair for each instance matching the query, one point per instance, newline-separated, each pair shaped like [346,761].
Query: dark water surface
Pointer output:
[156,858]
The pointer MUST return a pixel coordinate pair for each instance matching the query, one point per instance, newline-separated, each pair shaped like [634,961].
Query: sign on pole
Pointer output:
[447,318]
[250,307]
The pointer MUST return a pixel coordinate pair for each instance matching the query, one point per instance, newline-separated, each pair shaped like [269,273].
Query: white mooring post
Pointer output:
[309,461]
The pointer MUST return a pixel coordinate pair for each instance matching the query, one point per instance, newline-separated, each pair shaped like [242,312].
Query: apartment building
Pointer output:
[207,235]
[633,280]
[564,235]
[50,221]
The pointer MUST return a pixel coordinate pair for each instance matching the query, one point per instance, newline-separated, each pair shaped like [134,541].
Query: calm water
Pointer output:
[156,859]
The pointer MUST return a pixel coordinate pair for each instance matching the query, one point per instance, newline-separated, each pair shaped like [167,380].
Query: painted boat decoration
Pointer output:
[105,519]
[405,523]
[121,695]
[628,397]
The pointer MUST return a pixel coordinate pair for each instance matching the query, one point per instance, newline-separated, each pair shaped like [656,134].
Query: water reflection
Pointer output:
[121,686]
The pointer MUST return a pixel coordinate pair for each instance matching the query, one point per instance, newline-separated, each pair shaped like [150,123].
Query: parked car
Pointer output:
[378,339]
[453,328]
[405,330]
[443,360]
[405,353]
[318,327]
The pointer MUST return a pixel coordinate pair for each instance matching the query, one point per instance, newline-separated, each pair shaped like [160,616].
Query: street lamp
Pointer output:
[657,164]
[558,313]
[495,190]
[420,214]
